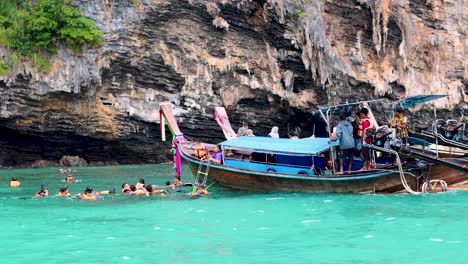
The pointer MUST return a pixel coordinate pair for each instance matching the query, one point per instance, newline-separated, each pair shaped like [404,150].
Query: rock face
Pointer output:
[269,62]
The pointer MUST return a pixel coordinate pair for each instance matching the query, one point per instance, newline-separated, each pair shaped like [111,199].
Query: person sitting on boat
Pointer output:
[201,191]
[70,178]
[140,184]
[44,192]
[344,133]
[364,124]
[274,132]
[217,157]
[293,135]
[243,130]
[14,183]
[400,123]
[126,188]
[151,190]
[451,130]
[250,133]
[63,192]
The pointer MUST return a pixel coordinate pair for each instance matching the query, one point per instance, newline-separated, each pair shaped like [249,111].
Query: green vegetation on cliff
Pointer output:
[35,28]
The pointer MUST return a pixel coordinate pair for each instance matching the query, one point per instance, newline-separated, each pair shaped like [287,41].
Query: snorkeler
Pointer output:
[201,191]
[70,178]
[151,190]
[44,192]
[14,183]
[63,192]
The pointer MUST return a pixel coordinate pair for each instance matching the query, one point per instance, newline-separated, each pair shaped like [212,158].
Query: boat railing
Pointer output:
[271,163]
[435,131]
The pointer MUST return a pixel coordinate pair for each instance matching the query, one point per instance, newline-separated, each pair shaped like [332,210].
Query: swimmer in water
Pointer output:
[177,183]
[88,195]
[136,191]
[201,191]
[44,192]
[14,183]
[140,184]
[126,188]
[151,190]
[70,178]
[63,192]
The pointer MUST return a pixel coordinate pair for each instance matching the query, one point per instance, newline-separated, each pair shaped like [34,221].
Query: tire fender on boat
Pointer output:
[303,172]
[271,170]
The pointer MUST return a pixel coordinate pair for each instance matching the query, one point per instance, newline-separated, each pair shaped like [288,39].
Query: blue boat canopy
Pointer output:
[419,99]
[300,147]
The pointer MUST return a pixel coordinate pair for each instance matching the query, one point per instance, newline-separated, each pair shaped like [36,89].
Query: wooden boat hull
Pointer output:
[242,179]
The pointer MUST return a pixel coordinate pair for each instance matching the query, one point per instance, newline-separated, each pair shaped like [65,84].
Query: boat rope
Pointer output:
[210,185]
[433,184]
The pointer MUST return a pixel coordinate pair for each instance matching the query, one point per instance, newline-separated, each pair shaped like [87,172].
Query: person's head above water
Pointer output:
[64,189]
[133,188]
[168,183]
[150,188]
[14,179]
[88,190]
[142,181]
[125,185]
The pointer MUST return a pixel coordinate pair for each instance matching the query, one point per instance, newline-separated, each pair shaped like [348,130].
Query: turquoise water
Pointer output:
[226,227]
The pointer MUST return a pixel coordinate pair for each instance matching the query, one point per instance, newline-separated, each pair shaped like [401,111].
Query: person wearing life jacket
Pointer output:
[88,195]
[63,192]
[70,178]
[364,124]
[14,183]
[199,151]
[201,191]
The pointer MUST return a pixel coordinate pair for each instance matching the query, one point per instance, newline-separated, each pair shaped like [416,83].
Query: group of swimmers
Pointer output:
[140,188]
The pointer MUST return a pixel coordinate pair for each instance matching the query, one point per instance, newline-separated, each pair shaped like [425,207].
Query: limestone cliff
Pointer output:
[269,62]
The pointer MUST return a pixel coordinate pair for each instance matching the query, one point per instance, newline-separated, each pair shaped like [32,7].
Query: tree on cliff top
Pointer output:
[35,27]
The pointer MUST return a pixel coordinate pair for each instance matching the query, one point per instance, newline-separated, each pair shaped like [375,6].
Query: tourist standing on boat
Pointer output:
[274,132]
[399,122]
[363,125]
[293,135]
[344,133]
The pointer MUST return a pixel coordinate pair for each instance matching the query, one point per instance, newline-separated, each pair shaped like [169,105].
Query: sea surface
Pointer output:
[225,227]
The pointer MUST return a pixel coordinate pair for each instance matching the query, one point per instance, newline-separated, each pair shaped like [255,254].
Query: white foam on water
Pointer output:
[234,229]
[171,229]
[200,211]
[259,211]
[418,225]
[369,236]
[327,201]
[378,213]
[243,220]
[274,198]
[125,257]
[263,228]
[71,236]
[453,242]
[390,219]
[437,239]
[156,228]
[310,221]
[62,219]
[110,238]
[217,221]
